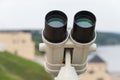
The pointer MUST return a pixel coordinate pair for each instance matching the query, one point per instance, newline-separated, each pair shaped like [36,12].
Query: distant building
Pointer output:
[18,43]
[97,70]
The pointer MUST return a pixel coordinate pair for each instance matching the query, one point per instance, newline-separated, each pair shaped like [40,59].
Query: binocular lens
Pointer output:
[55,26]
[84,22]
[83,27]
[55,30]
[56,22]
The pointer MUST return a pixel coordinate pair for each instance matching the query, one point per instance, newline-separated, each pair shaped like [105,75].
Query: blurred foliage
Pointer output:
[13,67]
[103,38]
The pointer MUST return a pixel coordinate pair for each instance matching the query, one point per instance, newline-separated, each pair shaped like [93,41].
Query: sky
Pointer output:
[30,14]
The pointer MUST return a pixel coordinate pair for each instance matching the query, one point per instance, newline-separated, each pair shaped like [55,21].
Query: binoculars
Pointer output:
[57,39]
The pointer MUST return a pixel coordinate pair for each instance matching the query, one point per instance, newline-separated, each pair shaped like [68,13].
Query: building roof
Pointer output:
[96,59]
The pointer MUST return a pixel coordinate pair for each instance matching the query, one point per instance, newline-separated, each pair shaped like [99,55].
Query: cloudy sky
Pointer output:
[29,14]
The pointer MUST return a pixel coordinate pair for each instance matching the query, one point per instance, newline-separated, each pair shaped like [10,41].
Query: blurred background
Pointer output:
[21,24]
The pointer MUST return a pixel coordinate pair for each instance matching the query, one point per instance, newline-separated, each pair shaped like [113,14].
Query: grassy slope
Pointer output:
[15,68]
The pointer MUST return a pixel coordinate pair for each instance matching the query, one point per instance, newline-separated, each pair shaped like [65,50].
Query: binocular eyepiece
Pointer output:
[55,30]
[83,27]
[55,26]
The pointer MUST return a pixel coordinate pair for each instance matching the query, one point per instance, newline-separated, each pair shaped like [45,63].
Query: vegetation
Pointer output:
[103,38]
[107,38]
[13,67]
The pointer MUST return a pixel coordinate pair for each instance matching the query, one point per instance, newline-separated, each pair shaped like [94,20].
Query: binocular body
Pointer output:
[55,54]
[57,39]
